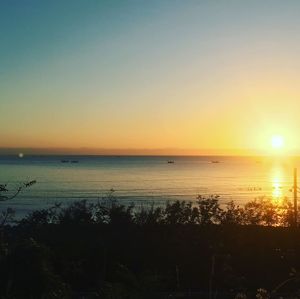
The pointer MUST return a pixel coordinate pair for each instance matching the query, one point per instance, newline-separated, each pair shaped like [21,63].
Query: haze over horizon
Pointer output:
[139,75]
[129,151]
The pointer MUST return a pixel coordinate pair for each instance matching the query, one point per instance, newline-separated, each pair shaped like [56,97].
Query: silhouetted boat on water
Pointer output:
[171,161]
[215,161]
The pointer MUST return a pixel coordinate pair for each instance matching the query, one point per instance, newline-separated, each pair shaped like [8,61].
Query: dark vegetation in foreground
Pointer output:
[182,250]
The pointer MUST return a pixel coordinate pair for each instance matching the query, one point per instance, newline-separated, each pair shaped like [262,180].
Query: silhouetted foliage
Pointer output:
[205,211]
[6,194]
[232,214]
[7,213]
[30,274]
[107,249]
[76,213]
[180,212]
[150,215]
[209,210]
[43,216]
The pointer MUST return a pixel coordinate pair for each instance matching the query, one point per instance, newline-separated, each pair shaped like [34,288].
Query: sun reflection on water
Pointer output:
[279,183]
[277,188]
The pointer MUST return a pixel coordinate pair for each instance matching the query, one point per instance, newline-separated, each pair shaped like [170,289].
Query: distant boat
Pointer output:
[171,161]
[215,161]
[64,161]
[74,161]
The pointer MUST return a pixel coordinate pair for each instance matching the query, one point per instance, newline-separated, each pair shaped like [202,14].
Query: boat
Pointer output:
[74,161]
[64,161]
[215,161]
[171,161]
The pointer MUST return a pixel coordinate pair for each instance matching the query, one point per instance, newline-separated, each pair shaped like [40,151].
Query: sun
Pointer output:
[277,142]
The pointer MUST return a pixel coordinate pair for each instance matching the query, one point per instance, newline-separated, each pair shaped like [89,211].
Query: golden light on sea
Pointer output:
[280,179]
[277,188]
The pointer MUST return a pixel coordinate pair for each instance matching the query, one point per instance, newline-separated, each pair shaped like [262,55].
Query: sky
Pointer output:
[198,76]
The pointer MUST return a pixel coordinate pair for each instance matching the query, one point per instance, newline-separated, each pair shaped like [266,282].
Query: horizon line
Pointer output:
[133,151]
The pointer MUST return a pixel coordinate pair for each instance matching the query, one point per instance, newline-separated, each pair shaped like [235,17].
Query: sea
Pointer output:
[143,180]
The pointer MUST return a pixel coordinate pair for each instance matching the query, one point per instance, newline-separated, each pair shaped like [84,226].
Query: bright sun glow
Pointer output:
[277,142]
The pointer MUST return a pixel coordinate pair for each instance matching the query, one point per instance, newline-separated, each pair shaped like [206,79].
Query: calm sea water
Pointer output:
[144,179]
